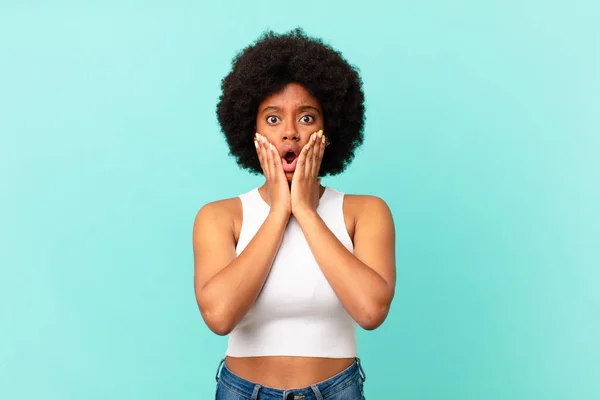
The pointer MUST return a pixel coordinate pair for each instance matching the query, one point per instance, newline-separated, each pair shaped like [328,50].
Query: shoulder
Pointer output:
[363,205]
[367,215]
[219,213]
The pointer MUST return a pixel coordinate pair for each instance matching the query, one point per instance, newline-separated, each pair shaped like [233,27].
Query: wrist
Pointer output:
[279,214]
[304,212]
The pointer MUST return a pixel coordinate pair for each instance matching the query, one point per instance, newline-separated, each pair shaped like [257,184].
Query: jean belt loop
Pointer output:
[219,369]
[255,392]
[361,370]
[317,392]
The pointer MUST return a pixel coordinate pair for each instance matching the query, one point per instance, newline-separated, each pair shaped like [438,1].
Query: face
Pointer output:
[287,119]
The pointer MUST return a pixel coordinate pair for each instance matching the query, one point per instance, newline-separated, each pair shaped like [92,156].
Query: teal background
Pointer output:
[483,135]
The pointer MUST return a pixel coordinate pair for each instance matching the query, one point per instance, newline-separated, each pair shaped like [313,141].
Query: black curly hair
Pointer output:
[267,66]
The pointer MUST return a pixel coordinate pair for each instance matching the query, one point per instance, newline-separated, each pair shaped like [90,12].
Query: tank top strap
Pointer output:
[331,210]
[254,213]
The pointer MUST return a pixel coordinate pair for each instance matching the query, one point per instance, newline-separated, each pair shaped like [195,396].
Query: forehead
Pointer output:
[293,94]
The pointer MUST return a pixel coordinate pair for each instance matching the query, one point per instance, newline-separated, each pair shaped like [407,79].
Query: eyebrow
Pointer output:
[302,108]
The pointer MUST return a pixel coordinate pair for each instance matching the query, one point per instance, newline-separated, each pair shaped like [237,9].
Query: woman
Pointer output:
[289,269]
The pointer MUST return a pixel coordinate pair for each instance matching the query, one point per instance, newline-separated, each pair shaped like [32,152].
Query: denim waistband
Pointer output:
[316,391]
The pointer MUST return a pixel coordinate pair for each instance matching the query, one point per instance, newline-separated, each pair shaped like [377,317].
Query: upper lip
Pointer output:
[289,148]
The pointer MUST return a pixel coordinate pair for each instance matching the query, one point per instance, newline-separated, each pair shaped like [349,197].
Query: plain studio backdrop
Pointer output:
[483,135]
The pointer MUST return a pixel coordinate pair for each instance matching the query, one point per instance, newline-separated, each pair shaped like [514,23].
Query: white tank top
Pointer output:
[297,312]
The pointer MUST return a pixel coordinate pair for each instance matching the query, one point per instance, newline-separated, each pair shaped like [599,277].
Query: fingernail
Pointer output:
[323,139]
[320,133]
[256,144]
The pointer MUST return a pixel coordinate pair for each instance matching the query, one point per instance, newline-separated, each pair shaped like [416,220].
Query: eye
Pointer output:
[272,119]
[307,119]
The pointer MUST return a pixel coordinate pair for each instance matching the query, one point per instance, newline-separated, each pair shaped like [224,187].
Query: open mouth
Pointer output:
[289,157]
[289,161]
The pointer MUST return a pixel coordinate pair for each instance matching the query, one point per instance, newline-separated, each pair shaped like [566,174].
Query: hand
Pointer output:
[306,184]
[278,191]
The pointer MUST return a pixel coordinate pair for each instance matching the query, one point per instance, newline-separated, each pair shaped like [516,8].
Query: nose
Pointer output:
[290,136]
[290,132]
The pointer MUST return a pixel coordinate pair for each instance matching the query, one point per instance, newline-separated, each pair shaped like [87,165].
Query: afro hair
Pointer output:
[267,66]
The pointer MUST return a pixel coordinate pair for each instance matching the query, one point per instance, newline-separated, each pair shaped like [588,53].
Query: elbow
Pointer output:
[373,317]
[216,317]
[221,330]
[218,323]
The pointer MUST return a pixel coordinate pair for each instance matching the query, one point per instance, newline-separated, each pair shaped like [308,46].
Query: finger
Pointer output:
[323,145]
[310,155]
[271,159]
[268,157]
[299,173]
[277,162]
[318,153]
[263,156]
[257,146]
[274,160]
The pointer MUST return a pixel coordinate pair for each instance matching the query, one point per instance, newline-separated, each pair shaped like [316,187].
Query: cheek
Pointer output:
[309,130]
[266,130]
[260,126]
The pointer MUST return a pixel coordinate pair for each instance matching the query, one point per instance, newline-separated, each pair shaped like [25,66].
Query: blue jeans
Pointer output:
[347,385]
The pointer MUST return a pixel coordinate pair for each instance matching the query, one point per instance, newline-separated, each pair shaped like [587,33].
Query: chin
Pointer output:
[289,176]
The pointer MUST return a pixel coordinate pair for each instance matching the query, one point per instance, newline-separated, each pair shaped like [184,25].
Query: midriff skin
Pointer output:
[287,372]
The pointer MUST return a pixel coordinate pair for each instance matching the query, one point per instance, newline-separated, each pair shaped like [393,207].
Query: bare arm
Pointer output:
[364,281]
[226,286]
